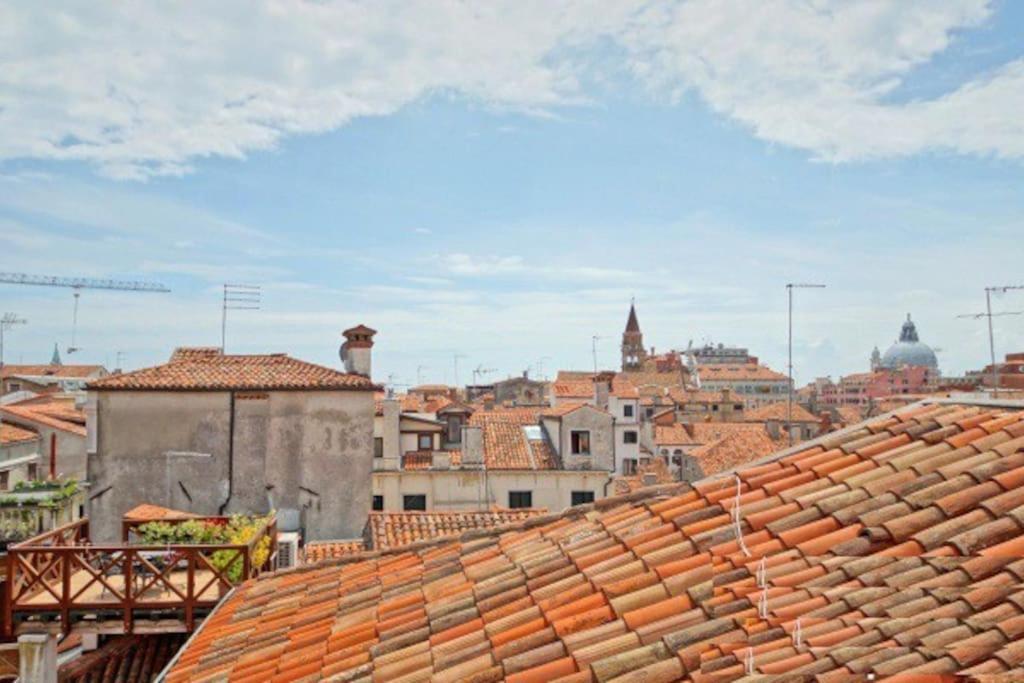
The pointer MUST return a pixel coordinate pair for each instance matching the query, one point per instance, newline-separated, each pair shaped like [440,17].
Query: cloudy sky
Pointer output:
[498,179]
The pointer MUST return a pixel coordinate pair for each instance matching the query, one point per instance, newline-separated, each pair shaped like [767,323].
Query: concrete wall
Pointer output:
[520,391]
[476,489]
[309,452]
[16,451]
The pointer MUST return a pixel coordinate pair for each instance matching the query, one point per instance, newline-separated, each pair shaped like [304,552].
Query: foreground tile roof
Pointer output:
[894,547]
[207,369]
[126,658]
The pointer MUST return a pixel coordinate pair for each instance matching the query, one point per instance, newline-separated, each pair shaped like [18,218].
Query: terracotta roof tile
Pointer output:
[656,585]
[209,370]
[10,435]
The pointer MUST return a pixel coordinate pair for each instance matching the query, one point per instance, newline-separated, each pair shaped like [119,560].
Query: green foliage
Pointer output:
[239,530]
[13,531]
[62,491]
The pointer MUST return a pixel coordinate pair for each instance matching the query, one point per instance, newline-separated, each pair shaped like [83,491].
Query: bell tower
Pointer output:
[633,353]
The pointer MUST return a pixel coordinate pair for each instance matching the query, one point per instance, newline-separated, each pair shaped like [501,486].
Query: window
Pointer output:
[582,497]
[14,386]
[629,464]
[648,412]
[378,503]
[454,429]
[417,502]
[5,480]
[580,443]
[378,446]
[33,472]
[425,442]
[629,437]
[627,410]
[520,499]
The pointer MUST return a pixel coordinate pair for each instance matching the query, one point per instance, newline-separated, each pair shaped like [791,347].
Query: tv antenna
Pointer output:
[237,297]
[480,371]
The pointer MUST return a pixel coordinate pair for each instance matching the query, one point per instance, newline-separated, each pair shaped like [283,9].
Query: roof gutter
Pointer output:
[231,453]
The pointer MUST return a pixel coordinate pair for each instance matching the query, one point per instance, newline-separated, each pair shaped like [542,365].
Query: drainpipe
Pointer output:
[231,453]
[53,456]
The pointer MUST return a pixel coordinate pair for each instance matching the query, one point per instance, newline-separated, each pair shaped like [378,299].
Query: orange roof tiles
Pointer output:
[10,435]
[55,417]
[583,389]
[779,411]
[315,551]
[209,370]
[907,561]
[505,444]
[61,371]
[156,513]
[393,529]
[738,372]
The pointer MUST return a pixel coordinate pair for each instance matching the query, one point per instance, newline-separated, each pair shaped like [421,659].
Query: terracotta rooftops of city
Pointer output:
[892,547]
[73,423]
[566,407]
[737,372]
[62,371]
[779,411]
[207,369]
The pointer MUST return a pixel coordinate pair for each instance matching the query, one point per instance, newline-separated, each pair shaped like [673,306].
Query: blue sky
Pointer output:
[502,185]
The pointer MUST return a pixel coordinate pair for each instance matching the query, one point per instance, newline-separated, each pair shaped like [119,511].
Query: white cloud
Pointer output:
[146,89]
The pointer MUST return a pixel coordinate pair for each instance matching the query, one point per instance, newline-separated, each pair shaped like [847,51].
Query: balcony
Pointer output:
[60,577]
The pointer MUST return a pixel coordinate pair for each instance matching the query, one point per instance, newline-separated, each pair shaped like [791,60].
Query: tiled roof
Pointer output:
[52,418]
[893,547]
[61,371]
[564,408]
[673,435]
[505,444]
[850,414]
[206,370]
[156,513]
[573,389]
[316,551]
[654,473]
[734,449]
[394,529]
[10,435]
[124,658]
[738,372]
[779,411]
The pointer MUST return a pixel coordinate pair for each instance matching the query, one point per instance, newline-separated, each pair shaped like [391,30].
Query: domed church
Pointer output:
[909,351]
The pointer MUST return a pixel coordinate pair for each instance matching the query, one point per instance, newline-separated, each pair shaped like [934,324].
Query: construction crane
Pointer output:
[77,284]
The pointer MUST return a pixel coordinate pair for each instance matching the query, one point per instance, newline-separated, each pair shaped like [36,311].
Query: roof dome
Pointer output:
[909,350]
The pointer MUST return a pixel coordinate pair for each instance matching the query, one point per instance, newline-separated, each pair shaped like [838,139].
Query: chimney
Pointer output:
[355,352]
[489,404]
[773,428]
[602,388]
[441,460]
[391,434]
[472,447]
[649,478]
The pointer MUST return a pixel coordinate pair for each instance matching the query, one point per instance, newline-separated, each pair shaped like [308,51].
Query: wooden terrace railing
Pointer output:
[60,574]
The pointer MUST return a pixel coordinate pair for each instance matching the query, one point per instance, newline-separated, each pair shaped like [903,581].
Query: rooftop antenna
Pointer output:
[790,286]
[540,367]
[455,360]
[78,284]
[237,297]
[593,349]
[8,321]
[118,357]
[419,373]
[479,372]
[991,335]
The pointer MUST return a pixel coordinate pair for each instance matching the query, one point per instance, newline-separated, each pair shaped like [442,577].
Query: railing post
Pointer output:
[9,587]
[246,564]
[65,593]
[129,598]
[190,597]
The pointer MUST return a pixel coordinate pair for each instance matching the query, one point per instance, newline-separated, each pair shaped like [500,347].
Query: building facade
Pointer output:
[214,434]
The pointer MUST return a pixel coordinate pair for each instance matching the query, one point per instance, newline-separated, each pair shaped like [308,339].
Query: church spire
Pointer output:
[633,353]
[631,324]
[55,359]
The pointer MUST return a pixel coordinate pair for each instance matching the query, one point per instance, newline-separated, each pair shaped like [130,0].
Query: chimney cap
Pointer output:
[359,336]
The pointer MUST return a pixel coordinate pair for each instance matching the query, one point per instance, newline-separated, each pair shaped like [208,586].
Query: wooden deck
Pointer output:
[96,593]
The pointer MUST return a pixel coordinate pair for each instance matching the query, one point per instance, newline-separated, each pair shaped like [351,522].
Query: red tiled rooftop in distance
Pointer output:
[887,550]
[208,370]
[11,435]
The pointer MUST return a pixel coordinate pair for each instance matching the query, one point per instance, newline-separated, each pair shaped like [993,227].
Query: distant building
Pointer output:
[720,355]
[19,455]
[60,426]
[521,391]
[51,377]
[909,351]
[1010,373]
[213,433]
[756,385]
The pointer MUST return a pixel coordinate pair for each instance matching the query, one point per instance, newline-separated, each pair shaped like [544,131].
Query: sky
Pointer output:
[489,185]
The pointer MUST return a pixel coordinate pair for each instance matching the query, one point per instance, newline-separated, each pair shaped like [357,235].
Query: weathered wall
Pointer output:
[306,451]
[17,451]
[465,489]
[602,439]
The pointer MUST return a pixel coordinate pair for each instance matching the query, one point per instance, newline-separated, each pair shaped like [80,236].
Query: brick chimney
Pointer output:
[355,352]
[603,388]
[472,447]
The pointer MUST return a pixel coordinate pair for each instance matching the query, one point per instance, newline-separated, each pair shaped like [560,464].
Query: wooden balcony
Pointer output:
[61,576]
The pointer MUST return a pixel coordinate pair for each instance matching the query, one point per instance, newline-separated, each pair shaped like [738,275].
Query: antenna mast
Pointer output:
[237,298]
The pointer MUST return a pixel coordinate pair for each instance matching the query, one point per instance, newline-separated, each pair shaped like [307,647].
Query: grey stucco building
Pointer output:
[212,433]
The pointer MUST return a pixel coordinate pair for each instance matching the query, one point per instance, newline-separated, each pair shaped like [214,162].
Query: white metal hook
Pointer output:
[737,527]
